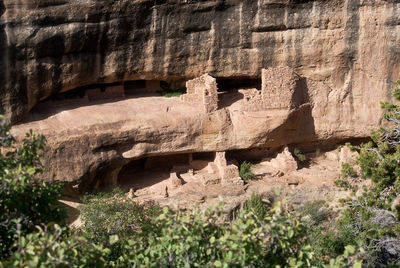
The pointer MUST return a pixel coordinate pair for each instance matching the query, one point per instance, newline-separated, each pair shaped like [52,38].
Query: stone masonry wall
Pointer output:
[278,87]
[202,90]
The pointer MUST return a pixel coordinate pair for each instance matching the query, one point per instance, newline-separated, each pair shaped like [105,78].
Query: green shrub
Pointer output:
[370,215]
[256,205]
[55,247]
[176,239]
[110,214]
[316,210]
[343,183]
[200,239]
[172,94]
[245,171]
[23,197]
[297,153]
[348,171]
[169,92]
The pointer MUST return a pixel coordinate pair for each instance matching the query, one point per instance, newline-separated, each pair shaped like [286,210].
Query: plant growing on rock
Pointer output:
[348,171]
[245,171]
[299,155]
[256,206]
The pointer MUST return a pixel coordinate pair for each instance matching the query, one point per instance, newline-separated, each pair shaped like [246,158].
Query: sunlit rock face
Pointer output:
[48,46]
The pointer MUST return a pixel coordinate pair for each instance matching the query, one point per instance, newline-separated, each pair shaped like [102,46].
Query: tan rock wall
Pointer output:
[345,51]
[351,46]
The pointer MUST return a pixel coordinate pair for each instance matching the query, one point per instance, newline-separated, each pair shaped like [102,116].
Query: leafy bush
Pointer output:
[316,211]
[173,239]
[245,171]
[55,247]
[297,153]
[172,94]
[200,239]
[24,198]
[343,183]
[169,92]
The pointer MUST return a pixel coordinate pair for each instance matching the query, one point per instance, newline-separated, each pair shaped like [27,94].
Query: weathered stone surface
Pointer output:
[348,156]
[202,91]
[347,49]
[281,88]
[283,163]
[107,93]
[89,142]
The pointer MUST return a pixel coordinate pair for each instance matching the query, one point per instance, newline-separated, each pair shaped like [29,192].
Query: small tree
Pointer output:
[25,201]
[372,216]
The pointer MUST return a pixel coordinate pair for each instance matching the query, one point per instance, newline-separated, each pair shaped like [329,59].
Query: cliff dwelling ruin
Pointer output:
[186,138]
[145,142]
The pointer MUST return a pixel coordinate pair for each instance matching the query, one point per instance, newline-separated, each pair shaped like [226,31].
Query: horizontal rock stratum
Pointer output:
[343,55]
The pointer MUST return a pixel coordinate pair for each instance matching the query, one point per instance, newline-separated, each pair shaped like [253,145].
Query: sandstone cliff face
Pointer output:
[48,46]
[346,53]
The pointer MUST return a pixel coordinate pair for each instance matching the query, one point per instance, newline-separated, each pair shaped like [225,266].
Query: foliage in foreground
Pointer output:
[199,239]
[256,205]
[373,216]
[25,201]
[106,215]
[55,247]
[181,239]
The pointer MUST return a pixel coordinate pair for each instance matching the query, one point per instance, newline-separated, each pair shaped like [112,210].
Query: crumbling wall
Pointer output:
[202,90]
[227,172]
[280,88]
